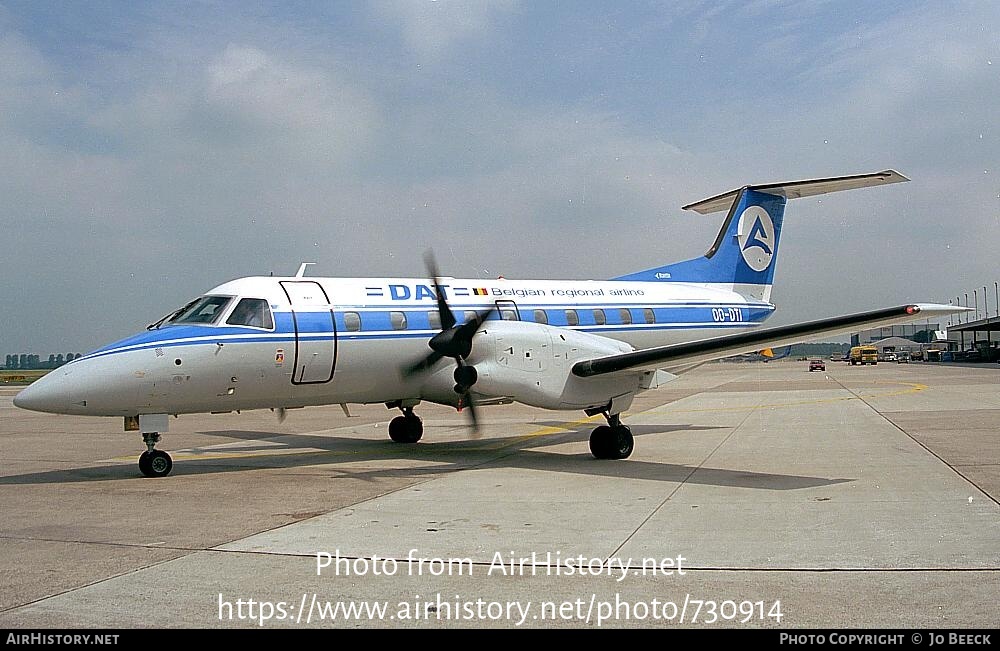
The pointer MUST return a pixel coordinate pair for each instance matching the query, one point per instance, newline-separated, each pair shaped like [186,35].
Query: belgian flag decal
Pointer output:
[479,291]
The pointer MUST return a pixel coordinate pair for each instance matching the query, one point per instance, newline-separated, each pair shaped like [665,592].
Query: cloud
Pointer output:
[162,177]
[431,28]
[235,145]
[246,100]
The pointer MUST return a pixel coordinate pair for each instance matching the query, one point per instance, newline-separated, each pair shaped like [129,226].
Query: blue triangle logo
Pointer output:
[758,237]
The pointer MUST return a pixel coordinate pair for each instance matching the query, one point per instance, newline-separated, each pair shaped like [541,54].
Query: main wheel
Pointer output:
[611,442]
[155,464]
[406,429]
[623,442]
[600,442]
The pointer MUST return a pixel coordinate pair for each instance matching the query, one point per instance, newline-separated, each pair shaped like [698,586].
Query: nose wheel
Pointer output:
[153,462]
[612,441]
[407,428]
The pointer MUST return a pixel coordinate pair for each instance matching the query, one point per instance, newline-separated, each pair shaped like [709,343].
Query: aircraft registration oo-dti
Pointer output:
[284,343]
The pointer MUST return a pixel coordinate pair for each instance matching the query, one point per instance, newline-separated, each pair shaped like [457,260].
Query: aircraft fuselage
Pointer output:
[345,340]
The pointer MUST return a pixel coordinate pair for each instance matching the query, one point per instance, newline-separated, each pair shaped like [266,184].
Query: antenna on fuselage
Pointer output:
[302,269]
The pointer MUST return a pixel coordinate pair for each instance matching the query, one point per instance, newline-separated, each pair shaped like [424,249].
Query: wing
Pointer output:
[680,357]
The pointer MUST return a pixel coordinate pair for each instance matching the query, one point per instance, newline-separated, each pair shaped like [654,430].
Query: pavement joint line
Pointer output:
[106,543]
[631,567]
[918,442]
[691,568]
[93,583]
[444,471]
[564,428]
[678,486]
[756,570]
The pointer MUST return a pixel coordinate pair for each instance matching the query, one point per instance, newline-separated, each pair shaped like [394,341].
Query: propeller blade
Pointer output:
[423,365]
[447,317]
[282,414]
[469,404]
[454,341]
[468,329]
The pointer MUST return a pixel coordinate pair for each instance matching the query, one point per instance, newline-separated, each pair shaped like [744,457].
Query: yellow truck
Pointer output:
[864,355]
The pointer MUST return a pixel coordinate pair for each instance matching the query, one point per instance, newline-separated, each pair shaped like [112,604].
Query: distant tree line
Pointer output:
[819,350]
[28,362]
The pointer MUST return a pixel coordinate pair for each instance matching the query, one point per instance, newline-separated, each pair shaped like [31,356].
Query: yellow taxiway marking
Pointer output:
[193,454]
[370,453]
[383,453]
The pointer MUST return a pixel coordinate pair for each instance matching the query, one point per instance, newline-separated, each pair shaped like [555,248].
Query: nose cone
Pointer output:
[52,393]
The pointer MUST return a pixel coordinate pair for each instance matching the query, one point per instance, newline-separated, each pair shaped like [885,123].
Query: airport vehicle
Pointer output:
[903,357]
[289,342]
[864,355]
[817,365]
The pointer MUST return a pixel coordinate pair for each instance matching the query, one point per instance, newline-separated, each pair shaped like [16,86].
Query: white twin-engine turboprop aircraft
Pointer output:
[283,343]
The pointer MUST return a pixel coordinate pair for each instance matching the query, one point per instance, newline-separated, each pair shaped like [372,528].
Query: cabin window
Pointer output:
[541,317]
[352,321]
[204,310]
[599,317]
[398,320]
[649,315]
[252,312]
[625,316]
[508,315]
[572,318]
[434,318]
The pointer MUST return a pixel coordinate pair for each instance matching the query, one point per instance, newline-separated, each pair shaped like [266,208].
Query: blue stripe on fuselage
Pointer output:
[376,324]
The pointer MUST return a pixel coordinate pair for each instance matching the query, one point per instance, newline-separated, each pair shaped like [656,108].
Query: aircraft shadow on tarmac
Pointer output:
[273,450]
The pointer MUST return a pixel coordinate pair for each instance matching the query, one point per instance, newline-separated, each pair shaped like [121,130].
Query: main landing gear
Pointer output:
[611,441]
[407,428]
[153,462]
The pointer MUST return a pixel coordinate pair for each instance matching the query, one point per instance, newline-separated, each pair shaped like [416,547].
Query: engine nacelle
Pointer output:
[532,363]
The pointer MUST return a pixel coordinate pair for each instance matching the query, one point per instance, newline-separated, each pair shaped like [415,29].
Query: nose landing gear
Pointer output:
[407,428]
[153,462]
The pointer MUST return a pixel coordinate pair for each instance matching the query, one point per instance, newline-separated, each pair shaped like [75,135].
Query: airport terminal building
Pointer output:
[913,332]
[973,341]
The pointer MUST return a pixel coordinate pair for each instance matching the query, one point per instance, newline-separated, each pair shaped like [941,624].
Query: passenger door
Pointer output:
[315,332]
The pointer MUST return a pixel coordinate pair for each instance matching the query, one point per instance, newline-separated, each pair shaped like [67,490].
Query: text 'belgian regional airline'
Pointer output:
[284,343]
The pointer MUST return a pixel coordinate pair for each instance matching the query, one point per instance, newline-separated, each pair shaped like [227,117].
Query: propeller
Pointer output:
[454,341]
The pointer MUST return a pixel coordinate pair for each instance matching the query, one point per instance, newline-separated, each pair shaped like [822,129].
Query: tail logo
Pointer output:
[756,238]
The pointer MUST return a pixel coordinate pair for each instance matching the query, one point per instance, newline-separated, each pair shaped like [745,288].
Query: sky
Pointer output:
[151,151]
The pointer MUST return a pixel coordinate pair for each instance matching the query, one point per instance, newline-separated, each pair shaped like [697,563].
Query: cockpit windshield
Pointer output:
[204,310]
[253,312]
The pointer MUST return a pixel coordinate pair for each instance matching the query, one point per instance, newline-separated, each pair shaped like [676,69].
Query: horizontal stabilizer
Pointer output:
[798,189]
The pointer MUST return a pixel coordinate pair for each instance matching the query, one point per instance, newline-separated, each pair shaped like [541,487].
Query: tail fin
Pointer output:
[775,353]
[745,252]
